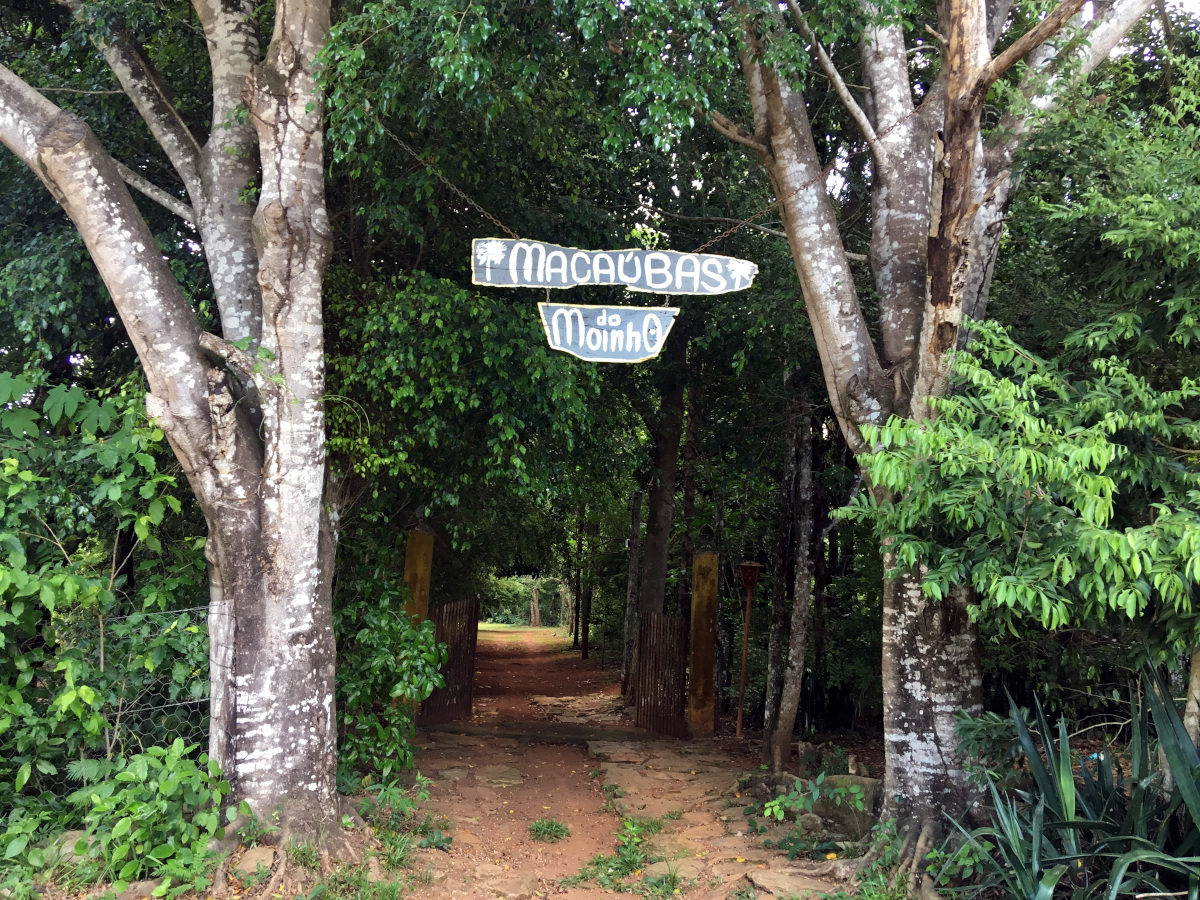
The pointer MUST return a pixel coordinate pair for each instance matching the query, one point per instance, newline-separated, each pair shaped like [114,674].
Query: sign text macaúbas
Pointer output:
[508,263]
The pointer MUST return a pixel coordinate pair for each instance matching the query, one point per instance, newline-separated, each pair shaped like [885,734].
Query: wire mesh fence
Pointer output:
[150,672]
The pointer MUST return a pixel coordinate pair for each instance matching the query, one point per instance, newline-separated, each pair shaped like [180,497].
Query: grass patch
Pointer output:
[549,830]
[610,872]
[304,855]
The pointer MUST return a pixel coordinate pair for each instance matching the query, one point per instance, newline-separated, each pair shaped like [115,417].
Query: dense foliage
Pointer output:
[1060,479]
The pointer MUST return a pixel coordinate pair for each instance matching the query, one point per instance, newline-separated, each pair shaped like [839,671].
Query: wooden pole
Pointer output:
[418,563]
[702,652]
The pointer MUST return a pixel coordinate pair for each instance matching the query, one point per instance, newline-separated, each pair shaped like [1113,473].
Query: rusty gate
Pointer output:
[457,625]
[661,682]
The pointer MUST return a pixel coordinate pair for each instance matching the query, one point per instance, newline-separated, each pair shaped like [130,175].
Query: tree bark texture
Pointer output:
[629,644]
[249,432]
[1191,709]
[779,739]
[665,430]
[784,530]
[931,670]
[683,595]
[939,193]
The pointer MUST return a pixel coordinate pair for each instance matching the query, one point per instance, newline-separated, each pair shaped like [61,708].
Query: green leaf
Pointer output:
[16,846]
[20,422]
[22,777]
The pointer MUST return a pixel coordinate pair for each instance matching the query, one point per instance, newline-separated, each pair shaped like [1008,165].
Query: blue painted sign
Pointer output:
[507,263]
[606,333]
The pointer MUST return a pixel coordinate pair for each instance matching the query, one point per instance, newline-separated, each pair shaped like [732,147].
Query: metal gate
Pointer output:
[457,625]
[661,684]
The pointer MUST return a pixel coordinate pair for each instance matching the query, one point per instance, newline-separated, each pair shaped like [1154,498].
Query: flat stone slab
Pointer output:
[453,774]
[686,869]
[455,740]
[513,887]
[253,858]
[499,776]
[619,751]
[785,884]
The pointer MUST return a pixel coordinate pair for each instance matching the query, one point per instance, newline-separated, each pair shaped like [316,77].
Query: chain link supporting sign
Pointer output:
[508,263]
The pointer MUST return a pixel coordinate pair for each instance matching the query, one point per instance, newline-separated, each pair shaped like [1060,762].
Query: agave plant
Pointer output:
[1092,832]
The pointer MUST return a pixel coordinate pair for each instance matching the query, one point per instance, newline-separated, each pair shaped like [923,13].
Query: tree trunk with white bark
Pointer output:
[940,188]
[248,427]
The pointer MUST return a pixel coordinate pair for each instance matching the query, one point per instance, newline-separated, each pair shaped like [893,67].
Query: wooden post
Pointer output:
[535,616]
[702,657]
[418,563]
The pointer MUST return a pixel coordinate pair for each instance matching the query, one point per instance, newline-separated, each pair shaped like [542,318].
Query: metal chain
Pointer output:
[824,174]
[446,181]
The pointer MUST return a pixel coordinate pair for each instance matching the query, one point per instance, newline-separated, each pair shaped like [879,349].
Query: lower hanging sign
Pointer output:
[622,334]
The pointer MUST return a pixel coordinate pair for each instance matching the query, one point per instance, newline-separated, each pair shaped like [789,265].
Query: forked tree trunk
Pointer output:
[629,644]
[779,740]
[936,226]
[248,429]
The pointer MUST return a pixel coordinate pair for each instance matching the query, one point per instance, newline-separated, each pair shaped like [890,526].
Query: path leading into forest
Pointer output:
[550,738]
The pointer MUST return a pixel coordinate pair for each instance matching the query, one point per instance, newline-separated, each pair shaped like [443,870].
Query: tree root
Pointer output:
[276,878]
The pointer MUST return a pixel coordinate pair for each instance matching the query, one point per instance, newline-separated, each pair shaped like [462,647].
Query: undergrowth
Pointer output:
[622,870]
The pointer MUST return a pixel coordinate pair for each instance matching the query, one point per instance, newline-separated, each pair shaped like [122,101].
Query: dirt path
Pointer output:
[489,789]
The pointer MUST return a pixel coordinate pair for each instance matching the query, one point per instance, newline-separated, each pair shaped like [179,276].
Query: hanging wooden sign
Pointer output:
[605,333]
[507,263]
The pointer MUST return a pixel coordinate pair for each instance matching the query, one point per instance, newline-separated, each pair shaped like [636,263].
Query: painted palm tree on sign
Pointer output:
[490,253]
[741,270]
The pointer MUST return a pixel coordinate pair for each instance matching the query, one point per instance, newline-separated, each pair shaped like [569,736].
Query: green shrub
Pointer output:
[386,666]
[150,816]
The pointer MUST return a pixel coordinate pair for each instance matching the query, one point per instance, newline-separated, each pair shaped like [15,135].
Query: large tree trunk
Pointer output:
[665,430]
[784,529]
[931,670]
[631,594]
[287,735]
[248,429]
[779,740]
[936,224]
[683,594]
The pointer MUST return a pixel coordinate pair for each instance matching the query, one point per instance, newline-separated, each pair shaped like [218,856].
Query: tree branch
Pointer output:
[735,133]
[232,354]
[878,151]
[160,322]
[774,232]
[1026,43]
[155,193]
[152,98]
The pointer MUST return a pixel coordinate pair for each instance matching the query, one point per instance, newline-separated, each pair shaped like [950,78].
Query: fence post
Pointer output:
[418,563]
[702,686]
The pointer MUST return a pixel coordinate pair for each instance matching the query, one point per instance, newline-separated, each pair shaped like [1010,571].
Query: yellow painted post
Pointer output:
[702,657]
[418,563]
